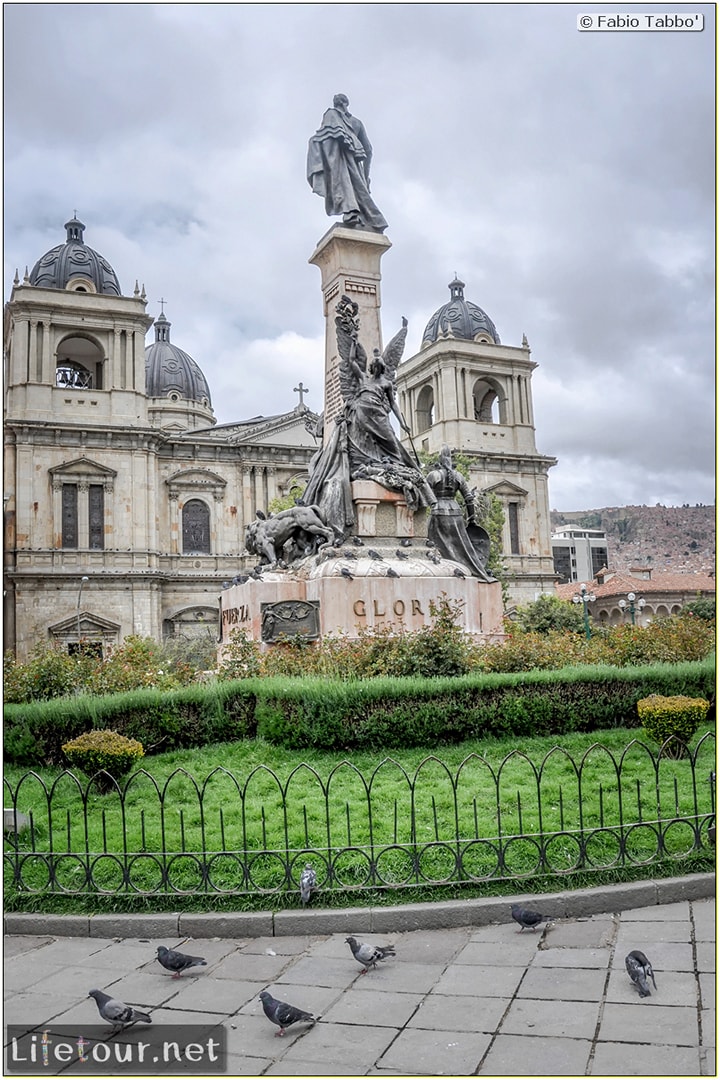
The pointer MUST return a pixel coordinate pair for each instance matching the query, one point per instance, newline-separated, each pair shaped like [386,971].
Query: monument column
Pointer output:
[349,263]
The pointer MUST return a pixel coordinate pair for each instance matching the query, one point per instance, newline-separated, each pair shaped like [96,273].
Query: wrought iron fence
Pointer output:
[392,829]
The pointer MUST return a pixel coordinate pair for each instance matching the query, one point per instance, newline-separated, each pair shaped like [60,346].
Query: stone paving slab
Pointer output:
[618,1059]
[441,1052]
[517,1055]
[644,1022]
[462,999]
[530,1016]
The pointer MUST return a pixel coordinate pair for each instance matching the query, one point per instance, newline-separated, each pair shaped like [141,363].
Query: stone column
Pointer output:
[349,263]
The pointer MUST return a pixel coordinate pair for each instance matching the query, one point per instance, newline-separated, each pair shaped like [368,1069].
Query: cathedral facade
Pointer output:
[125,503]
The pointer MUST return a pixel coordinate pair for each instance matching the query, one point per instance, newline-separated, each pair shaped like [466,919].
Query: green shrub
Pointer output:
[97,751]
[325,711]
[550,613]
[674,718]
[703,607]
[240,657]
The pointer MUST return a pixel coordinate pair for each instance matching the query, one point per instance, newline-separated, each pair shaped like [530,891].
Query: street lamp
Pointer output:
[585,598]
[630,605]
[83,579]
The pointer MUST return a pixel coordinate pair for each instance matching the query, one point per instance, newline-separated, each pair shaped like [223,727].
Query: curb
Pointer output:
[427,916]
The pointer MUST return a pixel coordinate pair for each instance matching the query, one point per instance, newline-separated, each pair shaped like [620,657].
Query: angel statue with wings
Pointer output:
[364,445]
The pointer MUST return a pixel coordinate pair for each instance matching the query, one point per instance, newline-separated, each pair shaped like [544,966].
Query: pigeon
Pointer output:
[406,542]
[346,573]
[282,1014]
[458,572]
[177,962]
[526,917]
[429,543]
[117,1012]
[308,883]
[373,554]
[391,573]
[433,558]
[358,542]
[401,554]
[640,970]
[349,555]
[369,954]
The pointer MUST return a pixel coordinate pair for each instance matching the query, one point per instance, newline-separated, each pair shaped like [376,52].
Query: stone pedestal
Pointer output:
[386,575]
[383,513]
[349,263]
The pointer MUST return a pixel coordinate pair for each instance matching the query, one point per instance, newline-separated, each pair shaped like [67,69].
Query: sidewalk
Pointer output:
[457,1000]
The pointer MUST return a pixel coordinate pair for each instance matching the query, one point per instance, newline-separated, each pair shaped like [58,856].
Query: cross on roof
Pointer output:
[162,301]
[301,390]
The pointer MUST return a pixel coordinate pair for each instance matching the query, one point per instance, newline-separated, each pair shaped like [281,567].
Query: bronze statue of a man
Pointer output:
[338,168]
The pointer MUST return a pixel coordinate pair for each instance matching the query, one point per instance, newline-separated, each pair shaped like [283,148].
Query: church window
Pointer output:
[79,364]
[196,528]
[96,516]
[488,408]
[513,522]
[69,516]
[424,411]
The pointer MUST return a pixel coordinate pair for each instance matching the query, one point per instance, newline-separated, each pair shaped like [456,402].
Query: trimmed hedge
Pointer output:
[378,713]
[363,714]
[160,719]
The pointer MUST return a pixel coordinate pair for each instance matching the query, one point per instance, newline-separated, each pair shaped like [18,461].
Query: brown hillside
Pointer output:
[679,538]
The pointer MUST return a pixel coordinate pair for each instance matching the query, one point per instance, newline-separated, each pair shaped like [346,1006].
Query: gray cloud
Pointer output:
[567,177]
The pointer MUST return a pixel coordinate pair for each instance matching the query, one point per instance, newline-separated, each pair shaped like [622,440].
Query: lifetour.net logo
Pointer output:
[192,1049]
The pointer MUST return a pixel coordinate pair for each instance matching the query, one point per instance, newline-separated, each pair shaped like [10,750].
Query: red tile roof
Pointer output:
[621,584]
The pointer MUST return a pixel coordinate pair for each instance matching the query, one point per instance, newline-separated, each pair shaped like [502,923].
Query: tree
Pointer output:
[285,502]
[703,607]
[550,613]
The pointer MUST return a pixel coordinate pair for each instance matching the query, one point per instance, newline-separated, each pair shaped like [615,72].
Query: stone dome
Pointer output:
[170,372]
[75,265]
[459,319]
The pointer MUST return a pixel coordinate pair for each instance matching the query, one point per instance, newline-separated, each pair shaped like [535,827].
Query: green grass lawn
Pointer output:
[478,812]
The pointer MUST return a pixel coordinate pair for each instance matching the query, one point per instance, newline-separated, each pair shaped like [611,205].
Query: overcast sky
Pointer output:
[567,177]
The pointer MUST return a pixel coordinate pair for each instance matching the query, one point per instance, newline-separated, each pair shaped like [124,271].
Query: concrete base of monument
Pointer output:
[386,574]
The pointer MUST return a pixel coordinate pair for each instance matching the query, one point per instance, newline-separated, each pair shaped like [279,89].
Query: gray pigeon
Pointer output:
[640,970]
[527,918]
[374,554]
[282,1014]
[369,954]
[401,554]
[308,883]
[344,572]
[458,572]
[406,542]
[117,1012]
[358,542]
[177,962]
[391,573]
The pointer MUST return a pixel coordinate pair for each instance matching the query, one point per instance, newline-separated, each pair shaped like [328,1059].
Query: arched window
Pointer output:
[196,528]
[79,364]
[487,407]
[424,411]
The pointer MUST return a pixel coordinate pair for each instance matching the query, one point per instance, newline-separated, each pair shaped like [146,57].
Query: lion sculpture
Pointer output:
[288,535]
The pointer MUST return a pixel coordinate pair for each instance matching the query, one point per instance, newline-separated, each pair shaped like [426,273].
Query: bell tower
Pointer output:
[468,390]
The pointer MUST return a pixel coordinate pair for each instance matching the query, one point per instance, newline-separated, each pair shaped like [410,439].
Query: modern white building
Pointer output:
[579,554]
